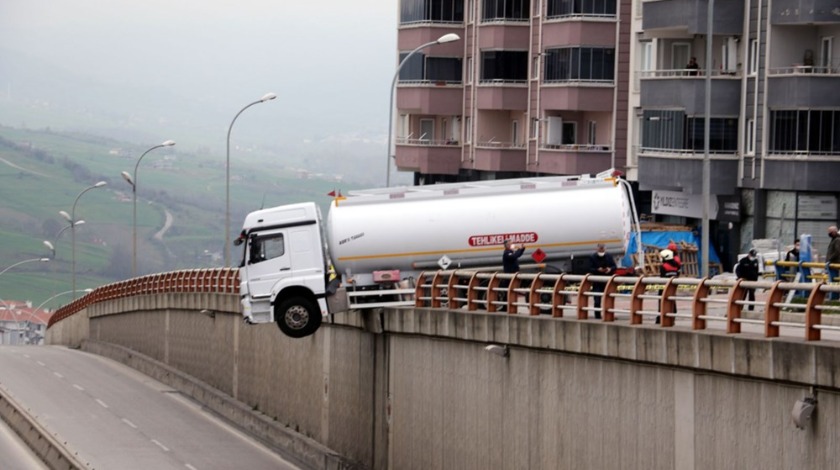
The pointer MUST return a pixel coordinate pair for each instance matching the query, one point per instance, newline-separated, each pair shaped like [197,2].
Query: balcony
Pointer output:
[504,36]
[582,96]
[592,33]
[680,89]
[689,16]
[571,159]
[802,86]
[676,170]
[499,156]
[427,97]
[428,156]
[802,171]
[804,12]
[511,95]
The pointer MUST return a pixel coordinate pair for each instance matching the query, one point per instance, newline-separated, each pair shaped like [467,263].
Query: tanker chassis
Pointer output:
[376,239]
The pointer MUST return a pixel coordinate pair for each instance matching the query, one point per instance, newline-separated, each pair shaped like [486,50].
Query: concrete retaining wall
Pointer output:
[416,389]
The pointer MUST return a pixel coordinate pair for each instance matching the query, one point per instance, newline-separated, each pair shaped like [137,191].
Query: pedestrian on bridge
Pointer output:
[832,256]
[747,269]
[601,263]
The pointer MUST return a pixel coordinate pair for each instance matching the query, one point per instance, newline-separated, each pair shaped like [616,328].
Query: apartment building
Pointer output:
[533,87]
[774,115]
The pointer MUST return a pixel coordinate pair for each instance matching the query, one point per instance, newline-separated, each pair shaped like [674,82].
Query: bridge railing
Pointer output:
[697,300]
[217,280]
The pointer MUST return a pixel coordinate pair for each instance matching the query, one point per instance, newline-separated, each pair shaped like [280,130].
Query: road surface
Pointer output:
[112,416]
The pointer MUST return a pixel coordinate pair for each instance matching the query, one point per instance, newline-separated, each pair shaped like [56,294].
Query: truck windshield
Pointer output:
[261,248]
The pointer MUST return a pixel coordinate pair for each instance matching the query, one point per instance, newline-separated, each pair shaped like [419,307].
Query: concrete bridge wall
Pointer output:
[415,389]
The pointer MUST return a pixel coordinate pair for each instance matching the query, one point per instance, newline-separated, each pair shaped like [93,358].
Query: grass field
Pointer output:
[42,173]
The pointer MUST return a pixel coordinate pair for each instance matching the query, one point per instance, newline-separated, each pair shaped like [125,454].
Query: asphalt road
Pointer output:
[114,417]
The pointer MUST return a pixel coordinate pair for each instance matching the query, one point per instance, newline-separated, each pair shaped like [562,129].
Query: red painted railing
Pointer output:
[217,280]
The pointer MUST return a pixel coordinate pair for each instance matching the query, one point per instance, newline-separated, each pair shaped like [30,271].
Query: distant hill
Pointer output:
[43,172]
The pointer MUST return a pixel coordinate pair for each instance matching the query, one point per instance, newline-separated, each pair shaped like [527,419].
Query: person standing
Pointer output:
[670,267]
[792,256]
[510,257]
[693,67]
[747,269]
[601,264]
[832,256]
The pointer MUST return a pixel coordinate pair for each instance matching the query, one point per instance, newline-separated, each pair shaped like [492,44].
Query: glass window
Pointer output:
[266,247]
[579,64]
[814,131]
[505,10]
[561,8]
[436,69]
[504,65]
[432,11]
[753,64]
[673,130]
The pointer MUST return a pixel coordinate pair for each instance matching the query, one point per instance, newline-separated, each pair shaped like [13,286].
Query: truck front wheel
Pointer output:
[298,317]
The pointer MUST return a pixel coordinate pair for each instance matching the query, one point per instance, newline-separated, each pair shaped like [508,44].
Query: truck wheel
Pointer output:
[297,317]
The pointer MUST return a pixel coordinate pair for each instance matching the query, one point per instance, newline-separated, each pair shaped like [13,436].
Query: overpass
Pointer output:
[708,387]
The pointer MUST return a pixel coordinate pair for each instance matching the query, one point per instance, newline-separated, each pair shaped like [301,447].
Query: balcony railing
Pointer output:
[501,82]
[427,142]
[688,73]
[431,83]
[804,70]
[688,153]
[576,147]
[499,145]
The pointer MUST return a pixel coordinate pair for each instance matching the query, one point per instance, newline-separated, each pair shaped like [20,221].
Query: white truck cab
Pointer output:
[283,268]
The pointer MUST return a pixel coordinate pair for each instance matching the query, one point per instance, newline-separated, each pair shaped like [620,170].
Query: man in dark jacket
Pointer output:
[832,256]
[747,269]
[601,263]
[510,258]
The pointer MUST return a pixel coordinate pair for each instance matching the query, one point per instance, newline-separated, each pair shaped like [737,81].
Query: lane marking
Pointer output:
[165,449]
[190,466]
[40,363]
[78,387]
[129,423]
[58,375]
[104,405]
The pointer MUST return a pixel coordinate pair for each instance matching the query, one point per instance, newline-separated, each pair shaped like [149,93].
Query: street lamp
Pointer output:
[31,260]
[72,219]
[266,97]
[441,40]
[132,180]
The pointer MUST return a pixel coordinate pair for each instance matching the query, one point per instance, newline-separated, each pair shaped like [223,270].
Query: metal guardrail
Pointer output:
[560,294]
[217,280]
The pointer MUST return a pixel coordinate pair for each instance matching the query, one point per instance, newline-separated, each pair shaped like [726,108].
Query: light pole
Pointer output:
[132,180]
[707,184]
[31,260]
[38,308]
[441,40]
[72,219]
[266,97]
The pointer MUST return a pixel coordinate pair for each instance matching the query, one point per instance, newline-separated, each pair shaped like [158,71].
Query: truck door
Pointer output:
[267,261]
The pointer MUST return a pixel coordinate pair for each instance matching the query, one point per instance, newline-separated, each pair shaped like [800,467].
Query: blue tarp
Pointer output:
[661,240]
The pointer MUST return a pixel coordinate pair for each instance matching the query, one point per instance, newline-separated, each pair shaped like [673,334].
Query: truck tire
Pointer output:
[297,317]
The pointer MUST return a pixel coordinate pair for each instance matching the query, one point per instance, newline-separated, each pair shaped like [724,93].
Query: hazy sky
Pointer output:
[329,61]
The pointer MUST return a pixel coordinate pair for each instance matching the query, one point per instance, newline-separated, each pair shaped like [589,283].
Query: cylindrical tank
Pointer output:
[411,229]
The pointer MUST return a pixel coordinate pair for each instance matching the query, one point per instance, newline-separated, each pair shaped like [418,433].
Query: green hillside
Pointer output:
[42,173]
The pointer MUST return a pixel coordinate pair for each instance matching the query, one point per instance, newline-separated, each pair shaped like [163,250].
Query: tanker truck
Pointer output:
[293,261]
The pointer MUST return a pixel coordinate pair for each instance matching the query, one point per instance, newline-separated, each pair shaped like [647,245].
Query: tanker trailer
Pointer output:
[379,237]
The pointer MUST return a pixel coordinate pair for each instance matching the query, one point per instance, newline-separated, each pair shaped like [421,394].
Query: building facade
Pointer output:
[774,114]
[533,87]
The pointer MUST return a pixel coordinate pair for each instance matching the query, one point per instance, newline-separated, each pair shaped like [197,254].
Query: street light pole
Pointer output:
[704,229]
[441,40]
[132,180]
[266,97]
[72,219]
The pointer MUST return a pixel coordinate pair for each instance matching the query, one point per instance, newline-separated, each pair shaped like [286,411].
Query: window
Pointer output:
[534,126]
[494,10]
[266,247]
[504,65]
[432,11]
[427,130]
[680,55]
[593,126]
[562,8]
[647,56]
[535,67]
[514,132]
[749,145]
[435,69]
[753,65]
[569,133]
[805,131]
[579,64]
[673,130]
[825,53]
[470,70]
[470,10]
